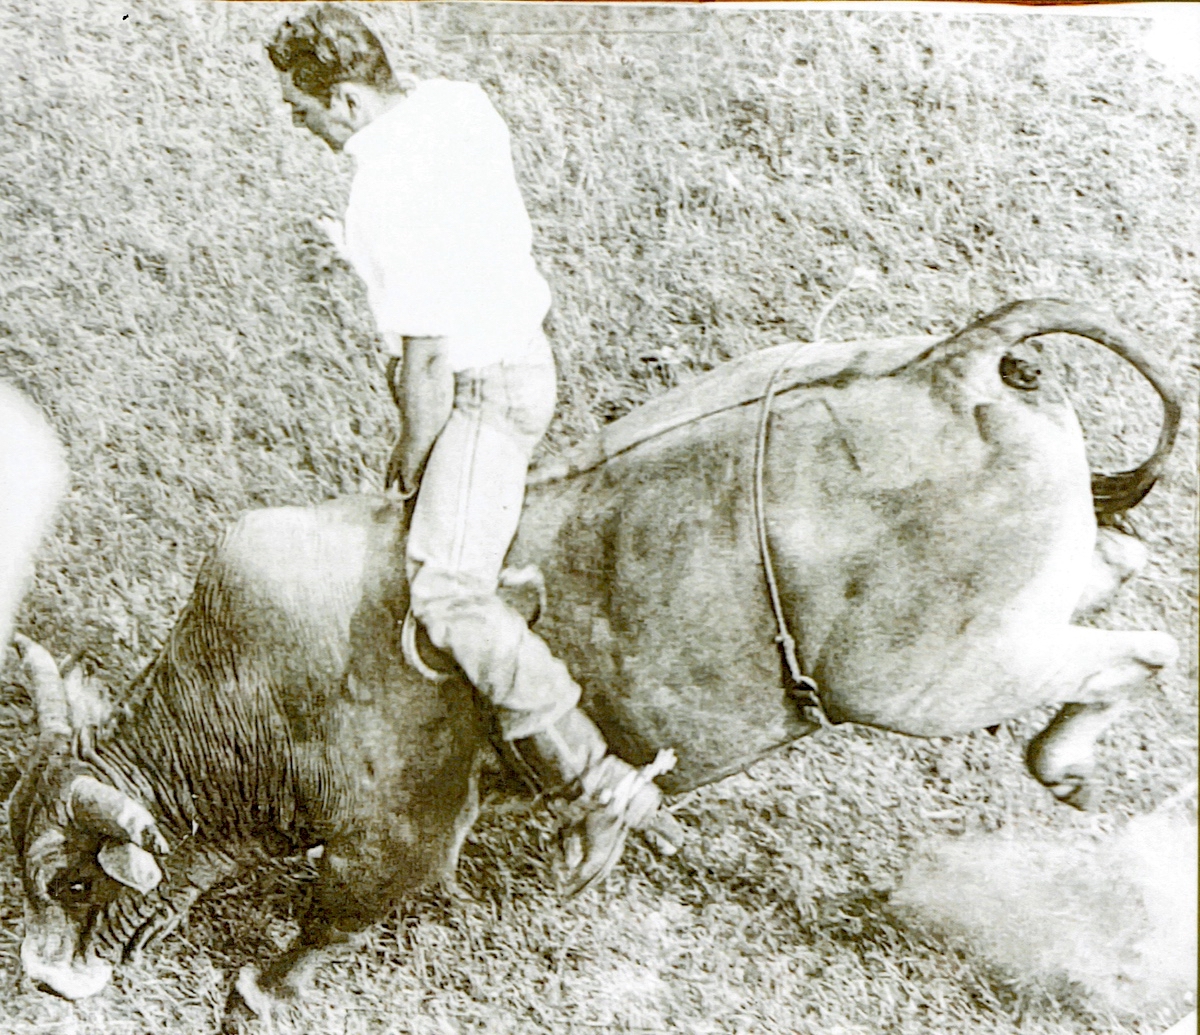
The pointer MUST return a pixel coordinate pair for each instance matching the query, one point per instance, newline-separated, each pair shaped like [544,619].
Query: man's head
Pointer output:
[333,71]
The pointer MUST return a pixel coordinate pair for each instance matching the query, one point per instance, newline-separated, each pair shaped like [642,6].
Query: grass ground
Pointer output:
[699,188]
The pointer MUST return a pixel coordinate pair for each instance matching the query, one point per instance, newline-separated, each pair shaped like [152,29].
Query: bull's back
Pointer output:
[902,536]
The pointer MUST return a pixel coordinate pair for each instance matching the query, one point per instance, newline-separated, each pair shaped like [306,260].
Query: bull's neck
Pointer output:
[172,756]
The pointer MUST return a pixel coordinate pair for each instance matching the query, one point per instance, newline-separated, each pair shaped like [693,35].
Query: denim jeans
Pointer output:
[463,523]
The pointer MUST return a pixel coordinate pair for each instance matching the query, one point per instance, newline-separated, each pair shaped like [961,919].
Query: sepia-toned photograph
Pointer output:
[556,518]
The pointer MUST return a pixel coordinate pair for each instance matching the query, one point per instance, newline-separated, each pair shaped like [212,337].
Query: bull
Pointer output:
[912,519]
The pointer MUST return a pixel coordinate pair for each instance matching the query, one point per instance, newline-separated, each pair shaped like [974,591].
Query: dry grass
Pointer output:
[696,194]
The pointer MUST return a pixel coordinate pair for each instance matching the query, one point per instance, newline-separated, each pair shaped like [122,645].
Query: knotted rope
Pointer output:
[804,689]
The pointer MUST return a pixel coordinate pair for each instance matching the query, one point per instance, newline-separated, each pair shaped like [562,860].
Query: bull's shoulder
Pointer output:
[737,383]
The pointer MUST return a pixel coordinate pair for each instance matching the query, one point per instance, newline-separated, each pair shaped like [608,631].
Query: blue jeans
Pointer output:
[464,520]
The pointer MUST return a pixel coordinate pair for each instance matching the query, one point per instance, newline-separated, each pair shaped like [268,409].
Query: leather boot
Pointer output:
[616,796]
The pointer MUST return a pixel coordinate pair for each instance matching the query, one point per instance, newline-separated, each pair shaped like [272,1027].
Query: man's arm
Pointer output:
[427,394]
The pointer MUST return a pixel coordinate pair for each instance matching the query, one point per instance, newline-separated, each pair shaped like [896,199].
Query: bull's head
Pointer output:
[81,843]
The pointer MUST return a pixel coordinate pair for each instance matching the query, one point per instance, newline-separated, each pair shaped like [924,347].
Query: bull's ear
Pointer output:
[130,865]
[85,699]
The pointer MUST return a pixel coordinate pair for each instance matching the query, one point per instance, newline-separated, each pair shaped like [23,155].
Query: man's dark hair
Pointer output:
[327,46]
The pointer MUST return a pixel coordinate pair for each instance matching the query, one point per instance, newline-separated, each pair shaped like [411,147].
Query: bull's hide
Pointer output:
[931,523]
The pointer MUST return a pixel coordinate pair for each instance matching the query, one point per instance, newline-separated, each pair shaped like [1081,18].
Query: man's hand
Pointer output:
[395,470]
[427,392]
[335,231]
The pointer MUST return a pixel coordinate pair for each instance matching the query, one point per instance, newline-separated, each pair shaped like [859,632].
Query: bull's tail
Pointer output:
[1112,493]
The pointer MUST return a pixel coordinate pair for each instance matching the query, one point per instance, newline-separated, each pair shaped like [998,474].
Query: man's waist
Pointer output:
[468,355]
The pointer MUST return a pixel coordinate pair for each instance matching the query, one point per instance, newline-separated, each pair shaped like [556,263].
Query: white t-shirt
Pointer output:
[437,228]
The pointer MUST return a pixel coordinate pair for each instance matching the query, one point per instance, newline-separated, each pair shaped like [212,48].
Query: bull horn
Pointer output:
[47,690]
[101,809]
[1111,493]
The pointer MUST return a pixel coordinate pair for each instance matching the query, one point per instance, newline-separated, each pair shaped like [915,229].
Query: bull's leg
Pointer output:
[462,827]
[1097,673]
[359,883]
[1063,755]
[355,889]
[346,899]
[361,878]
[1116,559]
[288,976]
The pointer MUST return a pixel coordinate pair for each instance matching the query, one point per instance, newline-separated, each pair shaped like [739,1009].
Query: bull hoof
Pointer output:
[1062,769]
[250,1008]
[453,892]
[255,999]
[1079,794]
[239,1017]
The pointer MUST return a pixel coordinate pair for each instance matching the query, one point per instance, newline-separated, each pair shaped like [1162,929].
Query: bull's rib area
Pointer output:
[739,382]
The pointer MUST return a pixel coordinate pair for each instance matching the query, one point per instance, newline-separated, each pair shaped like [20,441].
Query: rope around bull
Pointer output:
[804,690]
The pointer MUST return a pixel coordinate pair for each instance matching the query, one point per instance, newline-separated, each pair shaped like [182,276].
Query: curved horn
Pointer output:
[1111,493]
[102,809]
[130,865]
[48,693]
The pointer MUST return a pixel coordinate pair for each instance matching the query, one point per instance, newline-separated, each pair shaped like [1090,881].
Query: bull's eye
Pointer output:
[71,889]
[1019,373]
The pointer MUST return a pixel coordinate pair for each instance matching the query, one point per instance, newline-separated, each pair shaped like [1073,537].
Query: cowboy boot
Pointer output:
[616,796]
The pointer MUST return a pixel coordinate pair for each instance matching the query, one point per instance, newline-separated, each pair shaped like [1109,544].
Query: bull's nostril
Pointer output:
[48,989]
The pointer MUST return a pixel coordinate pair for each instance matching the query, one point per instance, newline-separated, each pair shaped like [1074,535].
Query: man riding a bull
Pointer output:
[437,229]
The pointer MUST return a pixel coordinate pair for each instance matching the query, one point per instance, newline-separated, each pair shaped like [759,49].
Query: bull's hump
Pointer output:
[309,562]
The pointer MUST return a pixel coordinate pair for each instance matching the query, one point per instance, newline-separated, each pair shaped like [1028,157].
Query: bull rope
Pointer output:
[804,690]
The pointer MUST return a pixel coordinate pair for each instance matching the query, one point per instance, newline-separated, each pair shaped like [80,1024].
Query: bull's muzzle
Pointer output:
[49,959]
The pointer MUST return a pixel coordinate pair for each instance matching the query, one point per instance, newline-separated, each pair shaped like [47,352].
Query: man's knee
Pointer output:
[453,621]
[433,591]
